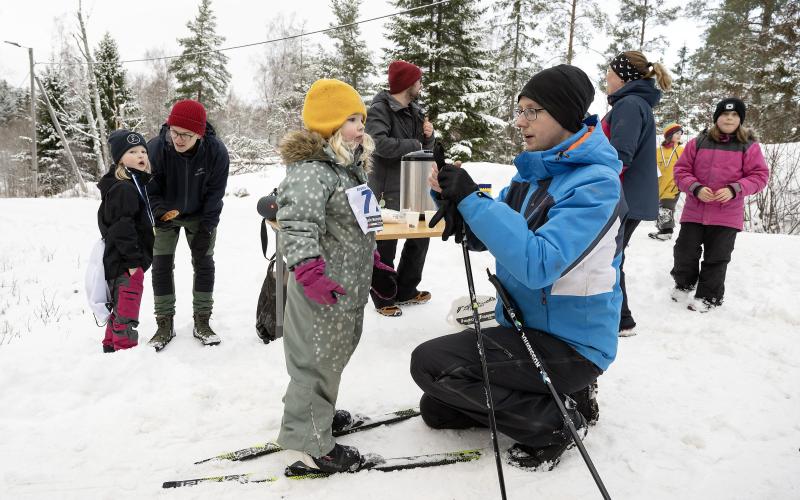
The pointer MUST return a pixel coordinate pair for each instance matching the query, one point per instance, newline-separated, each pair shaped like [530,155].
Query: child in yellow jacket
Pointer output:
[667,156]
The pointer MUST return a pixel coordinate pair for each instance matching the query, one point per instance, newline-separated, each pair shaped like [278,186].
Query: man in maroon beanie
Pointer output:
[190,171]
[398,126]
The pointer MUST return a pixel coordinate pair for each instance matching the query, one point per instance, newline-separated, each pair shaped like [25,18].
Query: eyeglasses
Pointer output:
[186,136]
[530,114]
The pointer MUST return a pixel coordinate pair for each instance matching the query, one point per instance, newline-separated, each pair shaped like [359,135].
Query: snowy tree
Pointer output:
[285,72]
[572,24]
[155,91]
[350,60]
[54,175]
[515,26]
[674,106]
[635,29]
[751,51]
[201,69]
[118,106]
[12,102]
[445,40]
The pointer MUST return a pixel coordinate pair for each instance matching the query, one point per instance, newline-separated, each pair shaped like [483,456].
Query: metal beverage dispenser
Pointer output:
[415,194]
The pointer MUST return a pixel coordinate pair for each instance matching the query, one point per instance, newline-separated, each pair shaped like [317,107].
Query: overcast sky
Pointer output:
[139,25]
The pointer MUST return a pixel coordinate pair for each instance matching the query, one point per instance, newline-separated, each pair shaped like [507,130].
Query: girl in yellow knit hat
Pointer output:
[667,156]
[328,218]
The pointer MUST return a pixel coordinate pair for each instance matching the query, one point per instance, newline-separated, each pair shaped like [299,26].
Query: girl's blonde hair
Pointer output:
[742,134]
[641,64]
[344,154]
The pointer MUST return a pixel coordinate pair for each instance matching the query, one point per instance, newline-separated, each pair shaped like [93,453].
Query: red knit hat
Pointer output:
[402,75]
[188,114]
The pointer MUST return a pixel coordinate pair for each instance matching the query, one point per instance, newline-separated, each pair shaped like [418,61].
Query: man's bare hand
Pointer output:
[427,128]
[169,215]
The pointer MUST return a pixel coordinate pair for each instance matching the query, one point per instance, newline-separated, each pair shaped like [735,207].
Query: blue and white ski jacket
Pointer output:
[555,233]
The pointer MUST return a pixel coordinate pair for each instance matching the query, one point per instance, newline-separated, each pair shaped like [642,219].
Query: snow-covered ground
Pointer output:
[695,406]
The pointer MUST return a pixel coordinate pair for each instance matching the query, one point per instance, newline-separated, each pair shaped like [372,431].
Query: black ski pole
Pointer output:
[512,314]
[486,387]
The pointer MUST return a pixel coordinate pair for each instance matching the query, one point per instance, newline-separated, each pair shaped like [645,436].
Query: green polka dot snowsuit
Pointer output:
[315,219]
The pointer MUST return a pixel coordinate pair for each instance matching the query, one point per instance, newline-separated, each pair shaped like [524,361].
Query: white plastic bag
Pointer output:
[461,311]
[97,292]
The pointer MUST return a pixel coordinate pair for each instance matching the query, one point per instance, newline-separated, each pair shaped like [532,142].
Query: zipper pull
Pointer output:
[544,298]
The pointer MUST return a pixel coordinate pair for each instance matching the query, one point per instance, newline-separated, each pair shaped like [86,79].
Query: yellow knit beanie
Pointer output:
[327,105]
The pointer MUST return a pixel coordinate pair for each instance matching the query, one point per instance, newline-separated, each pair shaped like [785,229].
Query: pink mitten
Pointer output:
[317,286]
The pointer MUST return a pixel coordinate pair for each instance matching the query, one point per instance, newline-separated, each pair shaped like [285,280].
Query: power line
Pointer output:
[274,40]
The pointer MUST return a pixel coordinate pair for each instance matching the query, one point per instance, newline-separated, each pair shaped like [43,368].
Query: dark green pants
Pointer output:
[164,264]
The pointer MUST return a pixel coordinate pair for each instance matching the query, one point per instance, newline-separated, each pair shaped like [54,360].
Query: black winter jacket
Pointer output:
[193,185]
[631,129]
[396,131]
[124,224]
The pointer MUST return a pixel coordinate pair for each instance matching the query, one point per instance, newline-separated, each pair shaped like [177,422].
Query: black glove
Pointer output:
[456,184]
[438,155]
[200,243]
[453,221]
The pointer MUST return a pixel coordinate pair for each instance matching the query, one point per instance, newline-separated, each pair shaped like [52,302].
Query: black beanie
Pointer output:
[564,91]
[730,104]
[123,140]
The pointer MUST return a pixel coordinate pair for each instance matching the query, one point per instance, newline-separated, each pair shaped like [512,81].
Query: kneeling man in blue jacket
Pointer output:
[555,233]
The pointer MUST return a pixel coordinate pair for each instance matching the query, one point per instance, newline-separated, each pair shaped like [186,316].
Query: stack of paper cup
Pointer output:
[412,218]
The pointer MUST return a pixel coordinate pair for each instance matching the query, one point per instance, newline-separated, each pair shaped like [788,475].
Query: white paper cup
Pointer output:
[412,218]
[428,216]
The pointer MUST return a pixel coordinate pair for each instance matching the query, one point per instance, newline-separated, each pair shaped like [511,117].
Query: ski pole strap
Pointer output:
[264,237]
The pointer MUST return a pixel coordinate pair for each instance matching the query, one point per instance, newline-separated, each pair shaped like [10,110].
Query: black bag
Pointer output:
[267,300]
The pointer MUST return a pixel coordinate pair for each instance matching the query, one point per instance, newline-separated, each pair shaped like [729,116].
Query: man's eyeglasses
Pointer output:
[186,136]
[530,114]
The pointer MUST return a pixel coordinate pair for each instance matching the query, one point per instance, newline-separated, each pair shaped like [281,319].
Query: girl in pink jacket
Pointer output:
[717,170]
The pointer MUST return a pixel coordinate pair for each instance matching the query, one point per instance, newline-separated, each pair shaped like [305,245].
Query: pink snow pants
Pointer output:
[126,291]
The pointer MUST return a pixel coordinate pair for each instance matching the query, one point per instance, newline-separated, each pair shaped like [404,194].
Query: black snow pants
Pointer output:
[715,243]
[448,370]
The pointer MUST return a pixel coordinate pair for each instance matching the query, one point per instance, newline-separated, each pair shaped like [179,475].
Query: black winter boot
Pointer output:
[343,421]
[164,333]
[340,459]
[586,403]
[546,457]
[202,330]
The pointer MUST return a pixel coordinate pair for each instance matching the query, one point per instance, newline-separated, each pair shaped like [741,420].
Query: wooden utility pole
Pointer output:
[60,132]
[34,162]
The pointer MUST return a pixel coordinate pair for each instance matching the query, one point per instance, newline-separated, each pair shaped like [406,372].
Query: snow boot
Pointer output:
[340,459]
[164,333]
[545,458]
[703,305]
[680,294]
[661,235]
[343,421]
[586,403]
[108,348]
[419,298]
[202,330]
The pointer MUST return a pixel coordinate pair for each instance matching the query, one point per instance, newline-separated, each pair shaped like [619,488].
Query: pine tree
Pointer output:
[514,23]
[572,25]
[674,106]
[350,61]
[751,51]
[54,175]
[445,41]
[118,106]
[201,70]
[634,29]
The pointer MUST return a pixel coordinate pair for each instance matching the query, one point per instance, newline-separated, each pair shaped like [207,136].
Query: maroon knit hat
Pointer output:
[188,114]
[402,75]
